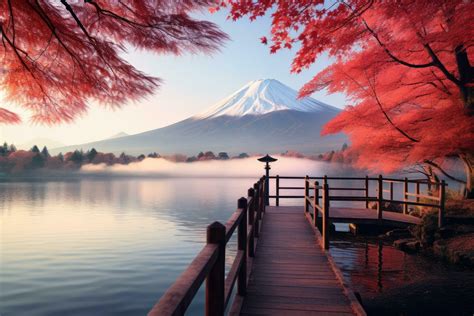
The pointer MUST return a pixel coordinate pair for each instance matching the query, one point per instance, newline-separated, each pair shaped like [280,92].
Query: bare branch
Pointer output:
[438,167]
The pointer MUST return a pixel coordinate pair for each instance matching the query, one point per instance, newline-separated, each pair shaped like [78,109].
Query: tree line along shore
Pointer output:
[18,161]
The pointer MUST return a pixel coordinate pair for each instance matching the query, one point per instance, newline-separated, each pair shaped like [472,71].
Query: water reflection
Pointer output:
[374,267]
[392,282]
[104,247]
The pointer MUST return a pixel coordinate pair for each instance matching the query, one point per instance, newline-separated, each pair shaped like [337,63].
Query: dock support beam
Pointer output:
[380,197]
[306,193]
[442,202]
[325,223]
[251,220]
[215,282]
[277,190]
[405,196]
[366,191]
[316,204]
[242,246]
[256,208]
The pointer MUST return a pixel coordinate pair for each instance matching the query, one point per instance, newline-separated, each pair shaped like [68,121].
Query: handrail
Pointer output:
[232,223]
[180,295]
[347,189]
[319,178]
[209,264]
[291,188]
[422,181]
[317,196]
[424,196]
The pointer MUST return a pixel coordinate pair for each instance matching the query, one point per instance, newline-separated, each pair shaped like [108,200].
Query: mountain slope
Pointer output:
[263,116]
[119,134]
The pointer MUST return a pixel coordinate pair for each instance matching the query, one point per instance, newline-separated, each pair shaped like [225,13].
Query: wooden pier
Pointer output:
[291,274]
[281,266]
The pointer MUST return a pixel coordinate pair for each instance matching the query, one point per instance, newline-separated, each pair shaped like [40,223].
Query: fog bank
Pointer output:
[247,167]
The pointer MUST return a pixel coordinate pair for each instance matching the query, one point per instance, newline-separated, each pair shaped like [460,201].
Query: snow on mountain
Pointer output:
[264,96]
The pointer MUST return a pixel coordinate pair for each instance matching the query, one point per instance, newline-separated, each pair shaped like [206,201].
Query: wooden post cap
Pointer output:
[242,203]
[251,192]
[215,233]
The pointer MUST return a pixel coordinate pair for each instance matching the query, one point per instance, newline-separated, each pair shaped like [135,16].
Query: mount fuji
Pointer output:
[264,116]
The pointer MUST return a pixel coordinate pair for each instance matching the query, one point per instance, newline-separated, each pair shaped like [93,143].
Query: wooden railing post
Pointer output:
[405,196]
[316,203]
[215,282]
[417,192]
[242,246]
[251,219]
[380,197]
[442,202]
[256,187]
[306,193]
[391,191]
[277,190]
[366,191]
[325,223]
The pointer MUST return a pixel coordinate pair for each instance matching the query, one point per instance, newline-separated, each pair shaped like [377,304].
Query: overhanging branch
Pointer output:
[438,167]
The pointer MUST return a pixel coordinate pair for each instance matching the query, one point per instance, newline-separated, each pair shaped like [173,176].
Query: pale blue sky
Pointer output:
[191,84]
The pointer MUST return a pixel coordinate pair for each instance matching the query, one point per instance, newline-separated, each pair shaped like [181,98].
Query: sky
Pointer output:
[191,84]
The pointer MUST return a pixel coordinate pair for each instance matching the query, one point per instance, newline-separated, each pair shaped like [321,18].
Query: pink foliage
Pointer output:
[57,56]
[404,65]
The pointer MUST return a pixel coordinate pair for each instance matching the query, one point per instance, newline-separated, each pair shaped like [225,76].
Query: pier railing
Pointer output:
[317,195]
[209,264]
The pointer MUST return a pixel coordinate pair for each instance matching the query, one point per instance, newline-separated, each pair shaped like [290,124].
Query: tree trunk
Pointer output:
[468,160]
[466,78]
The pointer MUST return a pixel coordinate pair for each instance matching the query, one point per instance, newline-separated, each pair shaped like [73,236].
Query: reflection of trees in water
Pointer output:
[188,203]
[30,195]
[375,267]
[380,266]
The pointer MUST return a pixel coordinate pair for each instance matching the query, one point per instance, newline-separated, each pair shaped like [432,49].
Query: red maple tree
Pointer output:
[405,65]
[57,56]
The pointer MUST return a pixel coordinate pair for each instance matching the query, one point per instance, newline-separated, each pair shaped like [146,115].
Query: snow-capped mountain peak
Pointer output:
[261,97]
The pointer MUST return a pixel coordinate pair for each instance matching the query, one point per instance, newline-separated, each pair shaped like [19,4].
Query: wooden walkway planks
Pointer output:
[291,274]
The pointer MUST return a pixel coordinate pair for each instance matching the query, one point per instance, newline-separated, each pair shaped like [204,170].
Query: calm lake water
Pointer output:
[112,246]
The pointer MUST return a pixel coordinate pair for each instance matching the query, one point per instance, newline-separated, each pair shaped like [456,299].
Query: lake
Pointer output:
[113,245]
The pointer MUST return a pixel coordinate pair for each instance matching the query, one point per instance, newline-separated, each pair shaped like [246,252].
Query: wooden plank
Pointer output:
[295,304]
[284,312]
[295,291]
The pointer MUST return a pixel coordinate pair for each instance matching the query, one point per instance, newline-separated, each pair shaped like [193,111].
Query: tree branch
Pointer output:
[440,65]
[435,165]
[398,60]
[386,115]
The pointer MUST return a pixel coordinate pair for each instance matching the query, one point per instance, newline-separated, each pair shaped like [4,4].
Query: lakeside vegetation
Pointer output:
[14,161]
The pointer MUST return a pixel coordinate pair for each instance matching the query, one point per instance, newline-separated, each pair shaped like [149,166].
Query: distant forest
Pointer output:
[13,161]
